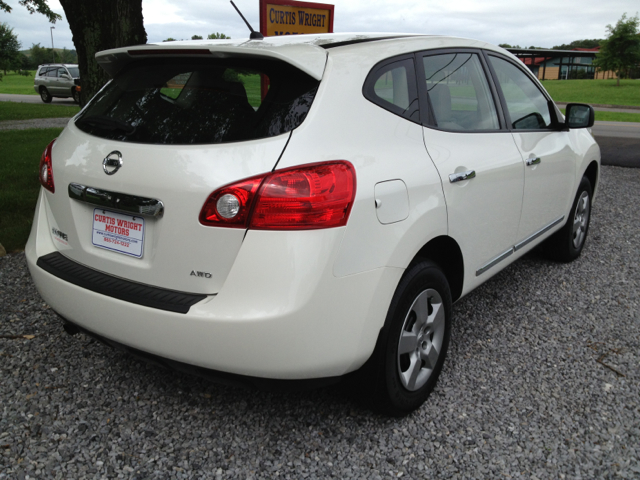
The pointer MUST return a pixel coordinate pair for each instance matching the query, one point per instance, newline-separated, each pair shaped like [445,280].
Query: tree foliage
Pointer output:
[9,49]
[39,55]
[196,37]
[586,43]
[621,50]
[33,6]
[217,36]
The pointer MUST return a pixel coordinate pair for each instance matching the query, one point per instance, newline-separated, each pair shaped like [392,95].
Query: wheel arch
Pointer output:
[445,252]
[592,174]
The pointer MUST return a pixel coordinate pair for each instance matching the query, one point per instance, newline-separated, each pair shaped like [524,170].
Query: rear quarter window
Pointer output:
[392,86]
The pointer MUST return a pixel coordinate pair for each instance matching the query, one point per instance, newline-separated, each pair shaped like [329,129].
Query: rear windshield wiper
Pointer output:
[107,123]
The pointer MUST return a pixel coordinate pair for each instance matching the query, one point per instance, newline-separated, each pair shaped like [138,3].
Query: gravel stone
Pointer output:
[541,381]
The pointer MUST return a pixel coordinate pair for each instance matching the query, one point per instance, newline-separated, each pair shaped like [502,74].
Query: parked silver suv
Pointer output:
[57,80]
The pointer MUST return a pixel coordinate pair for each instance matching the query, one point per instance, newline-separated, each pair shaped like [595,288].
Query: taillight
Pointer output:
[46,169]
[230,206]
[312,196]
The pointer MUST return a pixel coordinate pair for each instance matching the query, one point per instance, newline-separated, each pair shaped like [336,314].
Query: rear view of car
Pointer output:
[299,209]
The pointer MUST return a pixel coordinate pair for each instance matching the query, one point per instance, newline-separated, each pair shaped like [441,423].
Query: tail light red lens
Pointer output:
[46,169]
[313,196]
[243,191]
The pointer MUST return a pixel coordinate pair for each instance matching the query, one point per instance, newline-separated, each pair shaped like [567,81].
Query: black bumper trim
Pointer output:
[60,266]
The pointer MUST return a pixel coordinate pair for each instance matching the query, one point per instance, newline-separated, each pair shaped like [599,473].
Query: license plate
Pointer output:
[118,232]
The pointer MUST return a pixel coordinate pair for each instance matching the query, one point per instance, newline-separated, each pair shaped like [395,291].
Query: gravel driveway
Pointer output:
[542,381]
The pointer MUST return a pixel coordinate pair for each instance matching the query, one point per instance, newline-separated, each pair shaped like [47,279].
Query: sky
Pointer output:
[543,23]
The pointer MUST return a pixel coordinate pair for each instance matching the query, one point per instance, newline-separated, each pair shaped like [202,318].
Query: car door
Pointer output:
[59,81]
[480,166]
[546,150]
[52,81]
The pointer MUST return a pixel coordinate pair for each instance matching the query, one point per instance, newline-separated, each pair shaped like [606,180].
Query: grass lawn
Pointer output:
[17,84]
[604,92]
[19,184]
[27,111]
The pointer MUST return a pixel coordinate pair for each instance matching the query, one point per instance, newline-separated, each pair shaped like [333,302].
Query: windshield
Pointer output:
[74,72]
[199,102]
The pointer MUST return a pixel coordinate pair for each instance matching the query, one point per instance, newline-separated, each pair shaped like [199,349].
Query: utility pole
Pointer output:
[53,53]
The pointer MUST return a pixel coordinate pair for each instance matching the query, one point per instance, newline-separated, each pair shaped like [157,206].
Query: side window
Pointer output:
[459,93]
[61,71]
[527,106]
[52,72]
[392,86]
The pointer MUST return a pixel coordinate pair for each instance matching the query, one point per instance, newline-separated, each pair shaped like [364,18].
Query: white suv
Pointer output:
[57,80]
[322,229]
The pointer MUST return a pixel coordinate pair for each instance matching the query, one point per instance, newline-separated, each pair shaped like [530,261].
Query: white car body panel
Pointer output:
[276,321]
[483,212]
[549,185]
[382,146]
[176,244]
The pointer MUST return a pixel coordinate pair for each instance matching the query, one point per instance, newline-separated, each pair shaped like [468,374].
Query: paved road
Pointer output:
[619,143]
[5,97]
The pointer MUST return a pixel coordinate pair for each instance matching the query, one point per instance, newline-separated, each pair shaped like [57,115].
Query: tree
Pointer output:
[96,25]
[586,43]
[621,50]
[33,6]
[217,36]
[67,56]
[9,49]
[170,39]
[101,25]
[38,55]
[196,37]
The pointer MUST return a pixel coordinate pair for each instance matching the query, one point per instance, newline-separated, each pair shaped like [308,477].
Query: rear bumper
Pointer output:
[281,313]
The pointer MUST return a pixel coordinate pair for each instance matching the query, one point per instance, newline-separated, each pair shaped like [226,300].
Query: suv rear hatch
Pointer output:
[134,168]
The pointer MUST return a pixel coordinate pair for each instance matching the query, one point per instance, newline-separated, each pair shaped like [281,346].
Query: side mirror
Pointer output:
[64,75]
[579,115]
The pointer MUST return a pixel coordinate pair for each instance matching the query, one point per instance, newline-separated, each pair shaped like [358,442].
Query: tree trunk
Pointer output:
[99,25]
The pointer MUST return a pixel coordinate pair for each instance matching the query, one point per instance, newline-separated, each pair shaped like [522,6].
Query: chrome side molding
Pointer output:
[518,246]
[533,236]
[149,207]
[494,262]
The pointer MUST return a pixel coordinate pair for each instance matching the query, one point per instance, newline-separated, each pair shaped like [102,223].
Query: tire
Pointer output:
[567,243]
[45,95]
[412,346]
[75,95]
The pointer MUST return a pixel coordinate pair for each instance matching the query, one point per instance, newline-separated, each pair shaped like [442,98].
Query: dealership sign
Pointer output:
[287,17]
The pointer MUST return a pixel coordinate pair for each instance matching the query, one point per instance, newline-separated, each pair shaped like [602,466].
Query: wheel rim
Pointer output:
[421,339]
[43,94]
[581,220]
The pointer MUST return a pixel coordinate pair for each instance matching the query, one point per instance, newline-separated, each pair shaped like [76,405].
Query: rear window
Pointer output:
[188,102]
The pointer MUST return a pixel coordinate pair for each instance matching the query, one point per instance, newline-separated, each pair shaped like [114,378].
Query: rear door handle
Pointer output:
[534,161]
[459,177]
